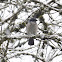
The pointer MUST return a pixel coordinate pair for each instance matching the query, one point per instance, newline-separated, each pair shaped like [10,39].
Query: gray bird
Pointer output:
[31,28]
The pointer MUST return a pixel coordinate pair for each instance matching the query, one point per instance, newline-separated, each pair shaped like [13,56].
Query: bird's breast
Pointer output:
[31,28]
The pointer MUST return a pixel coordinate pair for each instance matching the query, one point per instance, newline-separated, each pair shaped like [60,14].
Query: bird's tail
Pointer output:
[31,41]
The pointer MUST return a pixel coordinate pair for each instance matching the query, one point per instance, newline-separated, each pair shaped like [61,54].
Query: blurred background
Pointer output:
[14,15]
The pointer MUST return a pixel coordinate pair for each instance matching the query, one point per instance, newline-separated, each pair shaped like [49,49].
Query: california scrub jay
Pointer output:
[31,30]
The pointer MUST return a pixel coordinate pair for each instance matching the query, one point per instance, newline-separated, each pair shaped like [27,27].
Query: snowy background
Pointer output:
[14,15]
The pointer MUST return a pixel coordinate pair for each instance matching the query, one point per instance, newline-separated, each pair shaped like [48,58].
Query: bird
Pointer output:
[31,29]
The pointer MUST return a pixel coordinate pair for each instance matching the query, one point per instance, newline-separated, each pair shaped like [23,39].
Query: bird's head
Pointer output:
[32,20]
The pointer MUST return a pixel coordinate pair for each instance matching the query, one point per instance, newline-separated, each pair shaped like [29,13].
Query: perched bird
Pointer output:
[31,28]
